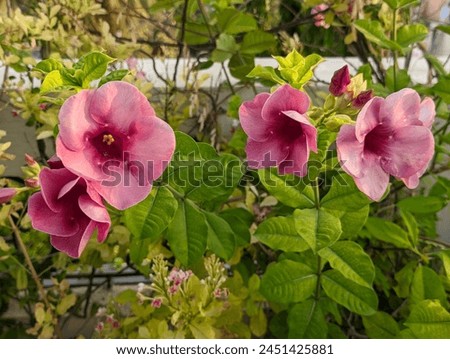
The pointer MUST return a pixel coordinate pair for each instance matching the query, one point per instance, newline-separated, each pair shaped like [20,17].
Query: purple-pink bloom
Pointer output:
[6,194]
[392,137]
[340,81]
[112,137]
[279,133]
[319,17]
[68,209]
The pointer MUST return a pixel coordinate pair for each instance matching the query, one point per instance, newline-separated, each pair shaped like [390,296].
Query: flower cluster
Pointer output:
[390,136]
[111,147]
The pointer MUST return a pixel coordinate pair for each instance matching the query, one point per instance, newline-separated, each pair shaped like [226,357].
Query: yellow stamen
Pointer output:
[108,139]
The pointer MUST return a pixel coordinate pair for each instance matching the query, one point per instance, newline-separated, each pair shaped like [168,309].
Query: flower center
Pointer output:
[108,139]
[108,145]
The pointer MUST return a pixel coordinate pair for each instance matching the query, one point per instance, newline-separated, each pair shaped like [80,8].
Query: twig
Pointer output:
[34,274]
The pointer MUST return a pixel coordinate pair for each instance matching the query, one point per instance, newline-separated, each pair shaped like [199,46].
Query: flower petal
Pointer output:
[52,182]
[45,220]
[408,151]
[285,98]
[427,112]
[252,122]
[119,104]
[412,181]
[373,180]
[93,210]
[368,118]
[152,148]
[265,154]
[86,163]
[308,129]
[297,160]
[75,121]
[350,151]
[401,109]
[125,190]
[74,245]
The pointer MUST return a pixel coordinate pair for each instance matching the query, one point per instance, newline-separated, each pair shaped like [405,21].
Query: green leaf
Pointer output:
[66,303]
[52,82]
[403,79]
[139,248]
[221,239]
[256,42]
[238,224]
[289,189]
[266,73]
[426,284]
[202,329]
[444,28]
[351,261]
[351,222]
[436,63]
[404,278]
[196,34]
[116,75]
[240,65]
[279,233]
[21,278]
[388,232]
[411,226]
[232,21]
[297,69]
[225,48]
[288,282]
[445,257]
[187,233]
[421,204]
[218,177]
[258,323]
[356,298]
[149,218]
[318,228]
[374,32]
[429,320]
[442,88]
[306,321]
[381,326]
[344,195]
[94,66]
[397,4]
[410,34]
[48,65]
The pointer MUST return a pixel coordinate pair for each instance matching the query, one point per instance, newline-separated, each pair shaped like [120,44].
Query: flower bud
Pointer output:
[364,97]
[6,194]
[340,81]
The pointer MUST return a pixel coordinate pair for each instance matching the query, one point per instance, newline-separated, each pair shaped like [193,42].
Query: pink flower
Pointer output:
[30,160]
[156,303]
[340,81]
[32,182]
[68,209]
[112,138]
[319,17]
[6,194]
[392,137]
[279,133]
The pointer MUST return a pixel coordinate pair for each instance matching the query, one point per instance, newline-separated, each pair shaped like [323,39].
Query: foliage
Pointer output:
[227,251]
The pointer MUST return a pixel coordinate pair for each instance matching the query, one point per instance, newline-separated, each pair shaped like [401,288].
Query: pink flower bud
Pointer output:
[116,324]
[364,97]
[340,81]
[173,289]
[32,182]
[29,160]
[14,113]
[100,326]
[43,106]
[156,303]
[6,194]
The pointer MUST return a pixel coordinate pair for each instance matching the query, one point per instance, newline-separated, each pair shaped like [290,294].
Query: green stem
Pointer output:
[316,193]
[394,52]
